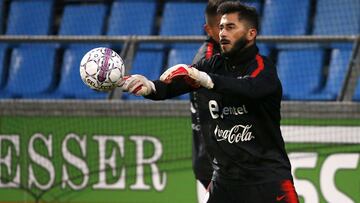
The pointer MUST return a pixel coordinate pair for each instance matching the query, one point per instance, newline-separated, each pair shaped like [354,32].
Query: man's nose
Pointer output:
[222,33]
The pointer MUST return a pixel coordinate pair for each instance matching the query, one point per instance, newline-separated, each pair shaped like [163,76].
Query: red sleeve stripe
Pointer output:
[209,50]
[260,67]
[290,194]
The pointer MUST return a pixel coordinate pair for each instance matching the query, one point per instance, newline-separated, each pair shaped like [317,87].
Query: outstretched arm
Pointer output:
[254,86]
[156,90]
[166,91]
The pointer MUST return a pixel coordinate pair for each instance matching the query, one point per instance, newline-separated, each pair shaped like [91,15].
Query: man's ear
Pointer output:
[251,35]
[207,29]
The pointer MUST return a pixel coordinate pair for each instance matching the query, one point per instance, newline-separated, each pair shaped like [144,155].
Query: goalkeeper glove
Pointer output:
[137,85]
[191,75]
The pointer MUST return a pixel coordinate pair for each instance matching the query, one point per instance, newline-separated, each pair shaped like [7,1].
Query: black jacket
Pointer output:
[201,160]
[244,105]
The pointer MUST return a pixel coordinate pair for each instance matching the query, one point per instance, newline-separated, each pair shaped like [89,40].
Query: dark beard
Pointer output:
[238,46]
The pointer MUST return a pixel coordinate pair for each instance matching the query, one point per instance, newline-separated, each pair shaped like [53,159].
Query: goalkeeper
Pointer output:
[250,162]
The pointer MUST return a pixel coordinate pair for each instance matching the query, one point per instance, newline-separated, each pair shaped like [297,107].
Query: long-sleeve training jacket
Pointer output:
[244,104]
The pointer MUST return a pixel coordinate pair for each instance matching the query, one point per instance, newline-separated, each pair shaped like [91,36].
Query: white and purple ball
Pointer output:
[102,69]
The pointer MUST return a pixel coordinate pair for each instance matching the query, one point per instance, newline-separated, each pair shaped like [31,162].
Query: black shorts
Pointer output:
[271,192]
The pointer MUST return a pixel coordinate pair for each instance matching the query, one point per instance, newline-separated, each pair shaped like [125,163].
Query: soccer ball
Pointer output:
[101,69]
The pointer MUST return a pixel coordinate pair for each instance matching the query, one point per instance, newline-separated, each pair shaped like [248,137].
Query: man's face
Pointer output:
[233,32]
[213,28]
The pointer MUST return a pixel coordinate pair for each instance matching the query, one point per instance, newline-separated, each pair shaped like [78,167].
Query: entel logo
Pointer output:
[227,110]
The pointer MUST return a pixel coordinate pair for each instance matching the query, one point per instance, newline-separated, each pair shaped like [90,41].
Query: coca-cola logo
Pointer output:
[238,133]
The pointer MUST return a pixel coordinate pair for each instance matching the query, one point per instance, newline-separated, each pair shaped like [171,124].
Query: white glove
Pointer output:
[191,75]
[137,85]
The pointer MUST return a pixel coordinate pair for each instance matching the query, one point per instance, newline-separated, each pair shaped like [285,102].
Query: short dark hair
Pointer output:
[211,9]
[212,6]
[246,13]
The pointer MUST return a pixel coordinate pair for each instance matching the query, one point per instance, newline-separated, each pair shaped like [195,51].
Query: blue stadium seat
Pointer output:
[148,63]
[181,55]
[300,78]
[256,4]
[335,17]
[356,96]
[183,18]
[30,77]
[286,17]
[3,69]
[71,86]
[83,20]
[30,64]
[2,11]
[125,13]
[30,17]
[338,67]
[264,49]
[129,18]
[79,20]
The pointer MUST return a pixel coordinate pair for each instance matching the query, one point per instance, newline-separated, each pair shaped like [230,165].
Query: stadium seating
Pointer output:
[25,19]
[30,77]
[79,20]
[179,55]
[257,4]
[2,11]
[334,18]
[184,18]
[35,60]
[125,13]
[83,20]
[338,67]
[178,19]
[71,86]
[129,18]
[148,63]
[356,96]
[300,78]
[285,17]
[2,66]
